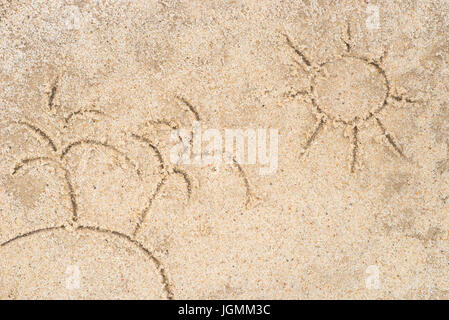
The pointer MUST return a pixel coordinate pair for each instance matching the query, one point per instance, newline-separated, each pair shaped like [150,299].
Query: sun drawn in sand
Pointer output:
[349,90]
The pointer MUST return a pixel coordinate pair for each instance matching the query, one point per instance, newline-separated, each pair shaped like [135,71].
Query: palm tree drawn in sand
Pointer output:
[58,160]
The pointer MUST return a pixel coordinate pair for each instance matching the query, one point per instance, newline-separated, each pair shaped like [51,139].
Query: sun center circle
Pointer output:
[350,88]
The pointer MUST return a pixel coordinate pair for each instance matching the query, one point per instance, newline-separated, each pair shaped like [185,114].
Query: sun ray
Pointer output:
[348,39]
[390,138]
[355,148]
[298,52]
[51,96]
[191,108]
[245,181]
[314,135]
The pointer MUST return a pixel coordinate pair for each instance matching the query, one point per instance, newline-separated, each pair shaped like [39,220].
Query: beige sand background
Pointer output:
[91,206]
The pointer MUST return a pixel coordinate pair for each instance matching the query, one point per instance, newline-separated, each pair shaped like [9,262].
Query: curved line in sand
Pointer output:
[137,244]
[36,130]
[152,146]
[30,161]
[102,144]
[83,112]
[369,63]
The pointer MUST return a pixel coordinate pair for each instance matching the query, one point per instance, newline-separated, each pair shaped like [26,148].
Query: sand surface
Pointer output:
[92,207]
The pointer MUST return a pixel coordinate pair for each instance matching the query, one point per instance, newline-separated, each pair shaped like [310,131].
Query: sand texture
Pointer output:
[93,207]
